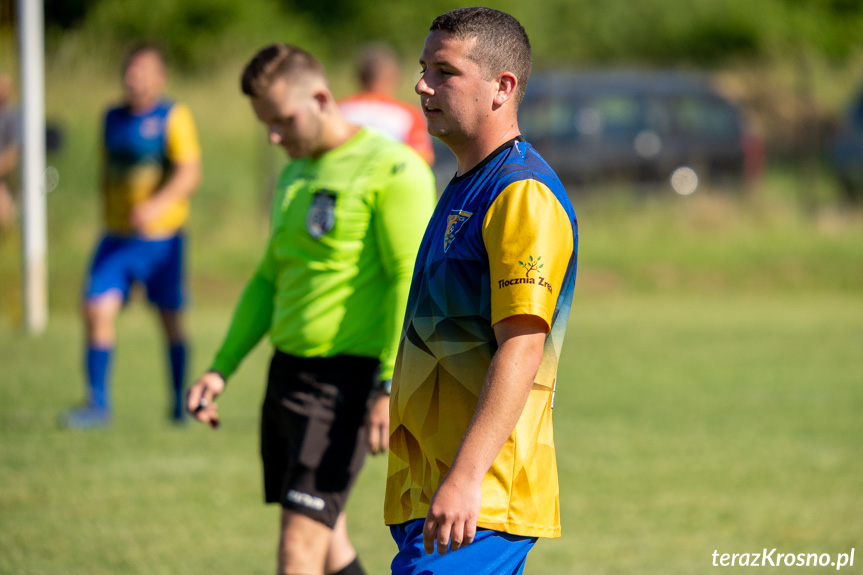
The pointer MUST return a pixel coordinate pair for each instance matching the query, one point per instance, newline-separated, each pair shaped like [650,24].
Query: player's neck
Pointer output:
[336,132]
[470,152]
[142,106]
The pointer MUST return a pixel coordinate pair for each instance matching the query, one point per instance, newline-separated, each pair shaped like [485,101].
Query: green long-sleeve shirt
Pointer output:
[337,270]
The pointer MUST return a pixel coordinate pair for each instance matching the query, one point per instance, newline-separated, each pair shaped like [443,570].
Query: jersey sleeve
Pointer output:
[252,319]
[404,205]
[181,138]
[529,241]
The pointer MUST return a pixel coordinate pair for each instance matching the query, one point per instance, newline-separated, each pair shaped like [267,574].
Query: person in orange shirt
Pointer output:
[377,107]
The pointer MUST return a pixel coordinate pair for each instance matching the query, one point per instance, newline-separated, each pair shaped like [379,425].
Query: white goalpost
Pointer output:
[35,269]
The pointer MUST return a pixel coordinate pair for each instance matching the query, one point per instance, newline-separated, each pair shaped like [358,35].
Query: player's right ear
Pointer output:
[506,84]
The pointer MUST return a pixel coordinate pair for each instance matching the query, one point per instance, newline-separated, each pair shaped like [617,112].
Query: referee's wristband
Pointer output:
[385,386]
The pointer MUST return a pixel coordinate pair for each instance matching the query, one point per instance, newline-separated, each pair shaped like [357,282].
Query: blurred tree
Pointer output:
[580,33]
[327,12]
[831,27]
[185,30]
[65,14]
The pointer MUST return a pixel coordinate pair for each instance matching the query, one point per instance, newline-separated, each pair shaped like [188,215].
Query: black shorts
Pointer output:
[313,436]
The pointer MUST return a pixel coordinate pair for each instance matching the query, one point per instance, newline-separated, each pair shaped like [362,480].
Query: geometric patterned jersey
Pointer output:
[140,153]
[503,241]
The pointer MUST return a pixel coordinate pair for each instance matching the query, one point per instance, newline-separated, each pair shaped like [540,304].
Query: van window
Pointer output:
[619,117]
[704,117]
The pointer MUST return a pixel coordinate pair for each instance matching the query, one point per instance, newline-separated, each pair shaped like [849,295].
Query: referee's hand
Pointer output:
[378,424]
[201,401]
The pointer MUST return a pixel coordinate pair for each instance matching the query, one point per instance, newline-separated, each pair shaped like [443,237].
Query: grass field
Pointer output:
[683,425]
[709,397]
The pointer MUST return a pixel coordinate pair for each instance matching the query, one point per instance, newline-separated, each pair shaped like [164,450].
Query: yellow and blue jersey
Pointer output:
[502,242]
[140,151]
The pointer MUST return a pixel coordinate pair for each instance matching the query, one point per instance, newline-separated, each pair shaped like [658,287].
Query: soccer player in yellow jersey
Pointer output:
[151,166]
[472,477]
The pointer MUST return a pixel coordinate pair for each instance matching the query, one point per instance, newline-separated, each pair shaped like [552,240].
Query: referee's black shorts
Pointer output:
[313,436]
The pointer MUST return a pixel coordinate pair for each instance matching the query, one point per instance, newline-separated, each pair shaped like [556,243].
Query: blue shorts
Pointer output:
[120,262]
[491,553]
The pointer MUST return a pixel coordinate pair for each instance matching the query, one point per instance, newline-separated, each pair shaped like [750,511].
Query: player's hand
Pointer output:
[145,212]
[378,424]
[201,402]
[451,520]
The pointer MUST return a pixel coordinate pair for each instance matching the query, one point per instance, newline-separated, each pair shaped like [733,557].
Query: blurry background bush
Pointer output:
[795,63]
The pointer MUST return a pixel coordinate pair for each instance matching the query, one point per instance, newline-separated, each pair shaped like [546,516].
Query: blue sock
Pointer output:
[177,354]
[98,368]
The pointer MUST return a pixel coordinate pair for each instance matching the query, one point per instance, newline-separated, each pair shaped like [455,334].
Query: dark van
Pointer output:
[634,125]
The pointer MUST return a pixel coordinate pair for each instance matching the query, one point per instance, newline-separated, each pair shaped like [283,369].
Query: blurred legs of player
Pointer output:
[177,349]
[308,546]
[99,319]
[117,265]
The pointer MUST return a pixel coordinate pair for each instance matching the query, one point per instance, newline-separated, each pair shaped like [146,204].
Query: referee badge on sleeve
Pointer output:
[322,214]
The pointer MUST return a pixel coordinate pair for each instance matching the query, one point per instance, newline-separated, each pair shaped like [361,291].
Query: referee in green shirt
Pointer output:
[348,215]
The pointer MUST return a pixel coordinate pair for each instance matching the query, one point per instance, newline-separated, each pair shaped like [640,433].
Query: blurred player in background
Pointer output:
[348,215]
[152,165]
[376,106]
[9,151]
[472,478]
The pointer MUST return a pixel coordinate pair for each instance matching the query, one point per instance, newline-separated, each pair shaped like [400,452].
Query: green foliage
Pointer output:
[64,14]
[186,29]
[198,33]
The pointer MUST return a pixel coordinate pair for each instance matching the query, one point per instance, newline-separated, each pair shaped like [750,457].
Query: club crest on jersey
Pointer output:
[150,128]
[454,223]
[322,214]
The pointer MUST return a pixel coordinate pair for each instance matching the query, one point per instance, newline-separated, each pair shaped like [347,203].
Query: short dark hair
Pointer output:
[374,57]
[276,61]
[501,42]
[145,48]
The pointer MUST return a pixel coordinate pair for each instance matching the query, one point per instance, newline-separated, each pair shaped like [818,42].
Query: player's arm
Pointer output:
[404,205]
[456,504]
[252,320]
[182,183]
[9,157]
[184,153]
